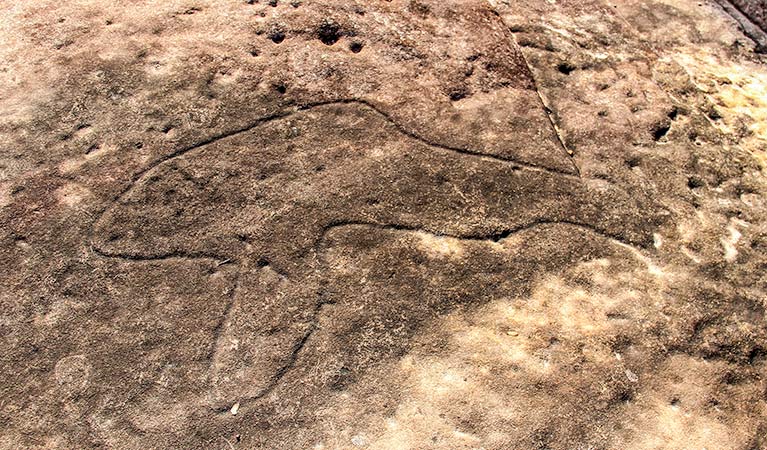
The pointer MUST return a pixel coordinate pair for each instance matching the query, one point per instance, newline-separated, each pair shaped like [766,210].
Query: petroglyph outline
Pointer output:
[313,325]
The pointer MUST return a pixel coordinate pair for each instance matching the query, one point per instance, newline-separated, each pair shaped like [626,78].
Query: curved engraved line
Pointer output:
[546,109]
[386,116]
[165,256]
[313,326]
[223,322]
[292,359]
[464,151]
[280,115]
[487,237]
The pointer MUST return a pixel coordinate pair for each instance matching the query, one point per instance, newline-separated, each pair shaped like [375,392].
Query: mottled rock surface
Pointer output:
[392,224]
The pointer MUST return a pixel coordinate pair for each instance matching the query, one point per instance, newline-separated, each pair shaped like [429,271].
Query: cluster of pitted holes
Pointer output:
[329,33]
[660,130]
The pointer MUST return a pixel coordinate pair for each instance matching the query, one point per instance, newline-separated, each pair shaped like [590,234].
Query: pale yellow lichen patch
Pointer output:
[673,411]
[483,385]
[438,378]
[569,309]
[5,194]
[72,194]
[739,92]
[730,241]
[493,343]
[440,246]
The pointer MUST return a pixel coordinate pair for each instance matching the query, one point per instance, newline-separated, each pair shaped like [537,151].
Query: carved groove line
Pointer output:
[314,324]
[137,177]
[546,109]
[292,358]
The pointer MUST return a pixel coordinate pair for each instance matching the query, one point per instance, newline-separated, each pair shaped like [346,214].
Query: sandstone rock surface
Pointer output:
[382,224]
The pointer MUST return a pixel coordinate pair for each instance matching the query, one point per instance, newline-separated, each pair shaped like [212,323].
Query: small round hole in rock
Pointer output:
[329,33]
[281,88]
[277,36]
[356,47]
[458,93]
[694,183]
[565,68]
[660,131]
